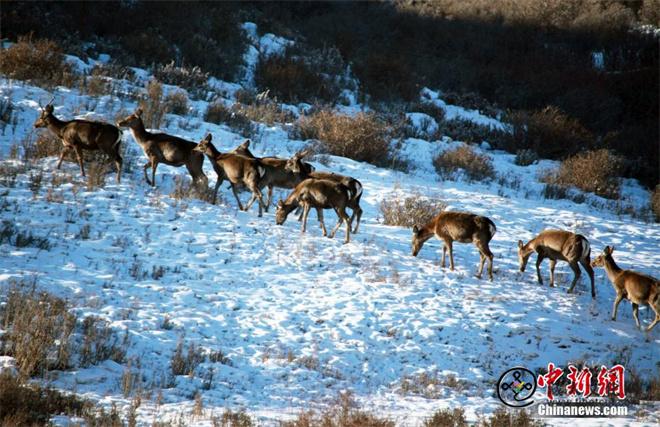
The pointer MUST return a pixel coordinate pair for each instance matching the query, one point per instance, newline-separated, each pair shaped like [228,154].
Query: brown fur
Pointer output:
[296,165]
[459,227]
[238,170]
[83,135]
[166,149]
[319,194]
[558,245]
[639,288]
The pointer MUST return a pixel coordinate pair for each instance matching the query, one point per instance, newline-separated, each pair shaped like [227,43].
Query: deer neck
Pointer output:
[212,152]
[139,132]
[56,125]
[427,231]
[613,271]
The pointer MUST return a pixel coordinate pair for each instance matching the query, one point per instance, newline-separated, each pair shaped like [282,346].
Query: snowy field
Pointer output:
[301,317]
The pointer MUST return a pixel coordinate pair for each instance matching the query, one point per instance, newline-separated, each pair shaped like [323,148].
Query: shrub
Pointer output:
[185,364]
[592,171]
[475,166]
[655,203]
[504,418]
[39,328]
[413,210]
[268,112]
[363,138]
[114,70]
[549,132]
[233,419]
[192,79]
[446,418]
[177,102]
[98,86]
[219,113]
[100,342]
[290,79]
[27,405]
[468,131]
[153,105]
[39,61]
[526,157]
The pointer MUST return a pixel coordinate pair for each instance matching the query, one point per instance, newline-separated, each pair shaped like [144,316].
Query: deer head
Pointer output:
[294,164]
[45,116]
[599,261]
[203,146]
[132,120]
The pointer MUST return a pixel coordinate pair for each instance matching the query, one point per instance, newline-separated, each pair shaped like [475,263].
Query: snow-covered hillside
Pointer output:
[301,317]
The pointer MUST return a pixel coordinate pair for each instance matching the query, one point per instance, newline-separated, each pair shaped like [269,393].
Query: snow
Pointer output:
[268,296]
[454,112]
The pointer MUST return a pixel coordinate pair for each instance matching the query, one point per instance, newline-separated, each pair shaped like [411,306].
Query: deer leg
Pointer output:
[539,260]
[343,217]
[319,216]
[451,255]
[576,270]
[482,261]
[256,194]
[552,263]
[618,299]
[233,189]
[154,166]
[218,183]
[80,159]
[118,163]
[635,308]
[444,252]
[590,272]
[65,149]
[340,219]
[656,309]
[485,252]
[306,208]
[145,167]
[270,197]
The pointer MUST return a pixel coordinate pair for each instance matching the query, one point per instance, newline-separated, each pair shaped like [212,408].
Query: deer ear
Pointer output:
[138,112]
[246,143]
[208,138]
[611,249]
[280,203]
[520,244]
[415,229]
[49,108]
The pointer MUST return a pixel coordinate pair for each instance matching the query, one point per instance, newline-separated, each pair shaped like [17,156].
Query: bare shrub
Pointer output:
[192,79]
[447,418]
[6,111]
[504,418]
[11,234]
[410,211]
[592,171]
[526,157]
[40,61]
[344,413]
[185,364]
[655,202]
[95,177]
[236,120]
[177,102]
[233,419]
[49,145]
[549,132]
[291,79]
[27,405]
[268,112]
[98,86]
[475,166]
[153,105]
[39,327]
[114,70]
[363,138]
[184,189]
[100,343]
[468,131]
[438,113]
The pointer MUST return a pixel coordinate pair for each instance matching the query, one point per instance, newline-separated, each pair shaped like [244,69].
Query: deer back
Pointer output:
[464,227]
[562,245]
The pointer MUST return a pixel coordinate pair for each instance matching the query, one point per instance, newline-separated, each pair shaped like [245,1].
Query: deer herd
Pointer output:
[326,190]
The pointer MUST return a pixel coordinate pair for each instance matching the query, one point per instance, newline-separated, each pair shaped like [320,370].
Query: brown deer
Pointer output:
[320,194]
[276,173]
[639,288]
[167,149]
[238,170]
[558,245]
[82,135]
[460,227]
[297,166]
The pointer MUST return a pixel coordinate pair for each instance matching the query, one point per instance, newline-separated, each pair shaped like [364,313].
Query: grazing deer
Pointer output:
[461,227]
[320,194]
[558,245]
[83,135]
[166,149]
[639,288]
[238,170]
[297,166]
[276,173]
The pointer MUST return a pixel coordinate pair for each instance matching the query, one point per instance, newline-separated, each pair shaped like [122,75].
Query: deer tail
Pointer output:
[586,249]
[492,228]
[261,170]
[358,189]
[119,135]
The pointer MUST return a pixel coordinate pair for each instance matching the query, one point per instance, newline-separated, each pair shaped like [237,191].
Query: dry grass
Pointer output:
[655,202]
[184,362]
[221,114]
[364,137]
[410,211]
[475,166]
[39,61]
[592,171]
[233,419]
[192,79]
[153,105]
[446,418]
[39,328]
[505,418]
[177,102]
[100,342]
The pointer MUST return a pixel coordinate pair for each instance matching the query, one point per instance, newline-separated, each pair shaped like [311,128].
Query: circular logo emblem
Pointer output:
[516,387]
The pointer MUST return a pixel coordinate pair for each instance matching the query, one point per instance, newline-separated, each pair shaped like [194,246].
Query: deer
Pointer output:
[167,149]
[639,289]
[558,245]
[297,166]
[276,173]
[319,194]
[238,170]
[462,227]
[82,135]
